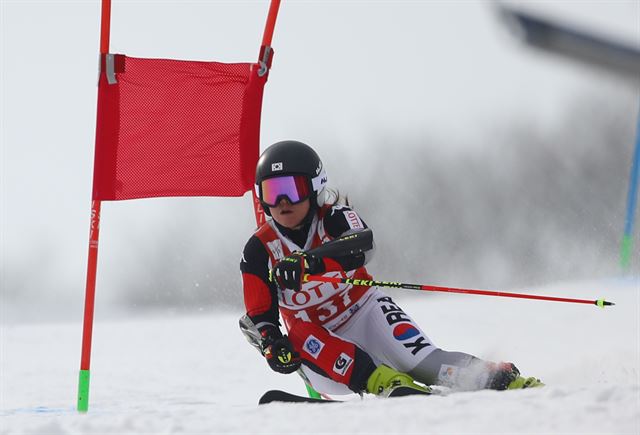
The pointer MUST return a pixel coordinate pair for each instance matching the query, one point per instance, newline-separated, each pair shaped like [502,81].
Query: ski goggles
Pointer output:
[296,188]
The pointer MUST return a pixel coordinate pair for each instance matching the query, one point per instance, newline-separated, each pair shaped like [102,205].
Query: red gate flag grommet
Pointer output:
[176,128]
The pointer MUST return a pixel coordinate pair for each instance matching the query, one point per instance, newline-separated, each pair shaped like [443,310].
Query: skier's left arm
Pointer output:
[338,222]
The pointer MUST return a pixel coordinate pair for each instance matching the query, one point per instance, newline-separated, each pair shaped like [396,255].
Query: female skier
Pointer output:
[344,338]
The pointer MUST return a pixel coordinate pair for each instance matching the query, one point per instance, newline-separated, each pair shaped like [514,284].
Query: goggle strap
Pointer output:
[318,181]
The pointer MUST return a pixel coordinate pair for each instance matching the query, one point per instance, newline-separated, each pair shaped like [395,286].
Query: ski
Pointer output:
[284,397]
[408,391]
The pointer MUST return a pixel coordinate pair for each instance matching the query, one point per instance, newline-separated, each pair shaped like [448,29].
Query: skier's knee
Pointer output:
[301,331]
[441,367]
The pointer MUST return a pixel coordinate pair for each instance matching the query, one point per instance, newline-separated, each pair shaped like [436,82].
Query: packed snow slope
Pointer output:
[180,374]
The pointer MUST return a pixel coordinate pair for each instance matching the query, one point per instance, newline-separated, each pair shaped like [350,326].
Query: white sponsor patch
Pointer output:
[276,166]
[342,364]
[313,346]
[276,249]
[353,219]
[447,374]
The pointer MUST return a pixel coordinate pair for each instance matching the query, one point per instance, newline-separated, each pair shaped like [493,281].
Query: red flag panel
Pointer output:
[176,128]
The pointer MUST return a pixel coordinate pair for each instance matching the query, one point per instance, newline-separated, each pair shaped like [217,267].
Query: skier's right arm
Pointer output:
[260,295]
[261,302]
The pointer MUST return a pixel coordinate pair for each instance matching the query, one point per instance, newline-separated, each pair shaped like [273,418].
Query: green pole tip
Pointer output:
[312,392]
[602,303]
[83,391]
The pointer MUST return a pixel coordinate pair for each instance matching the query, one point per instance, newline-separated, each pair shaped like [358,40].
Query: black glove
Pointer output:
[289,272]
[501,375]
[280,354]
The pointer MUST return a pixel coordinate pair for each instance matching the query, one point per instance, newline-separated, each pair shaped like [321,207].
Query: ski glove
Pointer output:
[280,355]
[289,272]
[501,375]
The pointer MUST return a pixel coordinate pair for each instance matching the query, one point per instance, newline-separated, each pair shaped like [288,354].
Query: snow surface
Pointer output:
[196,374]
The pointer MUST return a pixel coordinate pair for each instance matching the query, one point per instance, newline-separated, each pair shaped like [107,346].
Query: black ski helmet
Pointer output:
[291,157]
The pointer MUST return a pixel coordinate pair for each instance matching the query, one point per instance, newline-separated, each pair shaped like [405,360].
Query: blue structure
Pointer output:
[595,51]
[632,202]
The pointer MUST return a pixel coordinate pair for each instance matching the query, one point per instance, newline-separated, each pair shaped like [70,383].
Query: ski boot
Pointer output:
[506,376]
[387,382]
[520,382]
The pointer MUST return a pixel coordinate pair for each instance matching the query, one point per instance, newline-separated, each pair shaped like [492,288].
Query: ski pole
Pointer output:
[371,283]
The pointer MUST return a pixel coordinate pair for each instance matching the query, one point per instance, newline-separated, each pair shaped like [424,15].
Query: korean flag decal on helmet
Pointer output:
[276,166]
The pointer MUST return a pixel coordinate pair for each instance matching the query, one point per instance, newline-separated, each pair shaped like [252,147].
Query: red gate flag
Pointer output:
[170,128]
[176,128]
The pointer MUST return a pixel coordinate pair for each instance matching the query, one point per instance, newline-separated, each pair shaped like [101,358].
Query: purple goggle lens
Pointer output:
[294,187]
